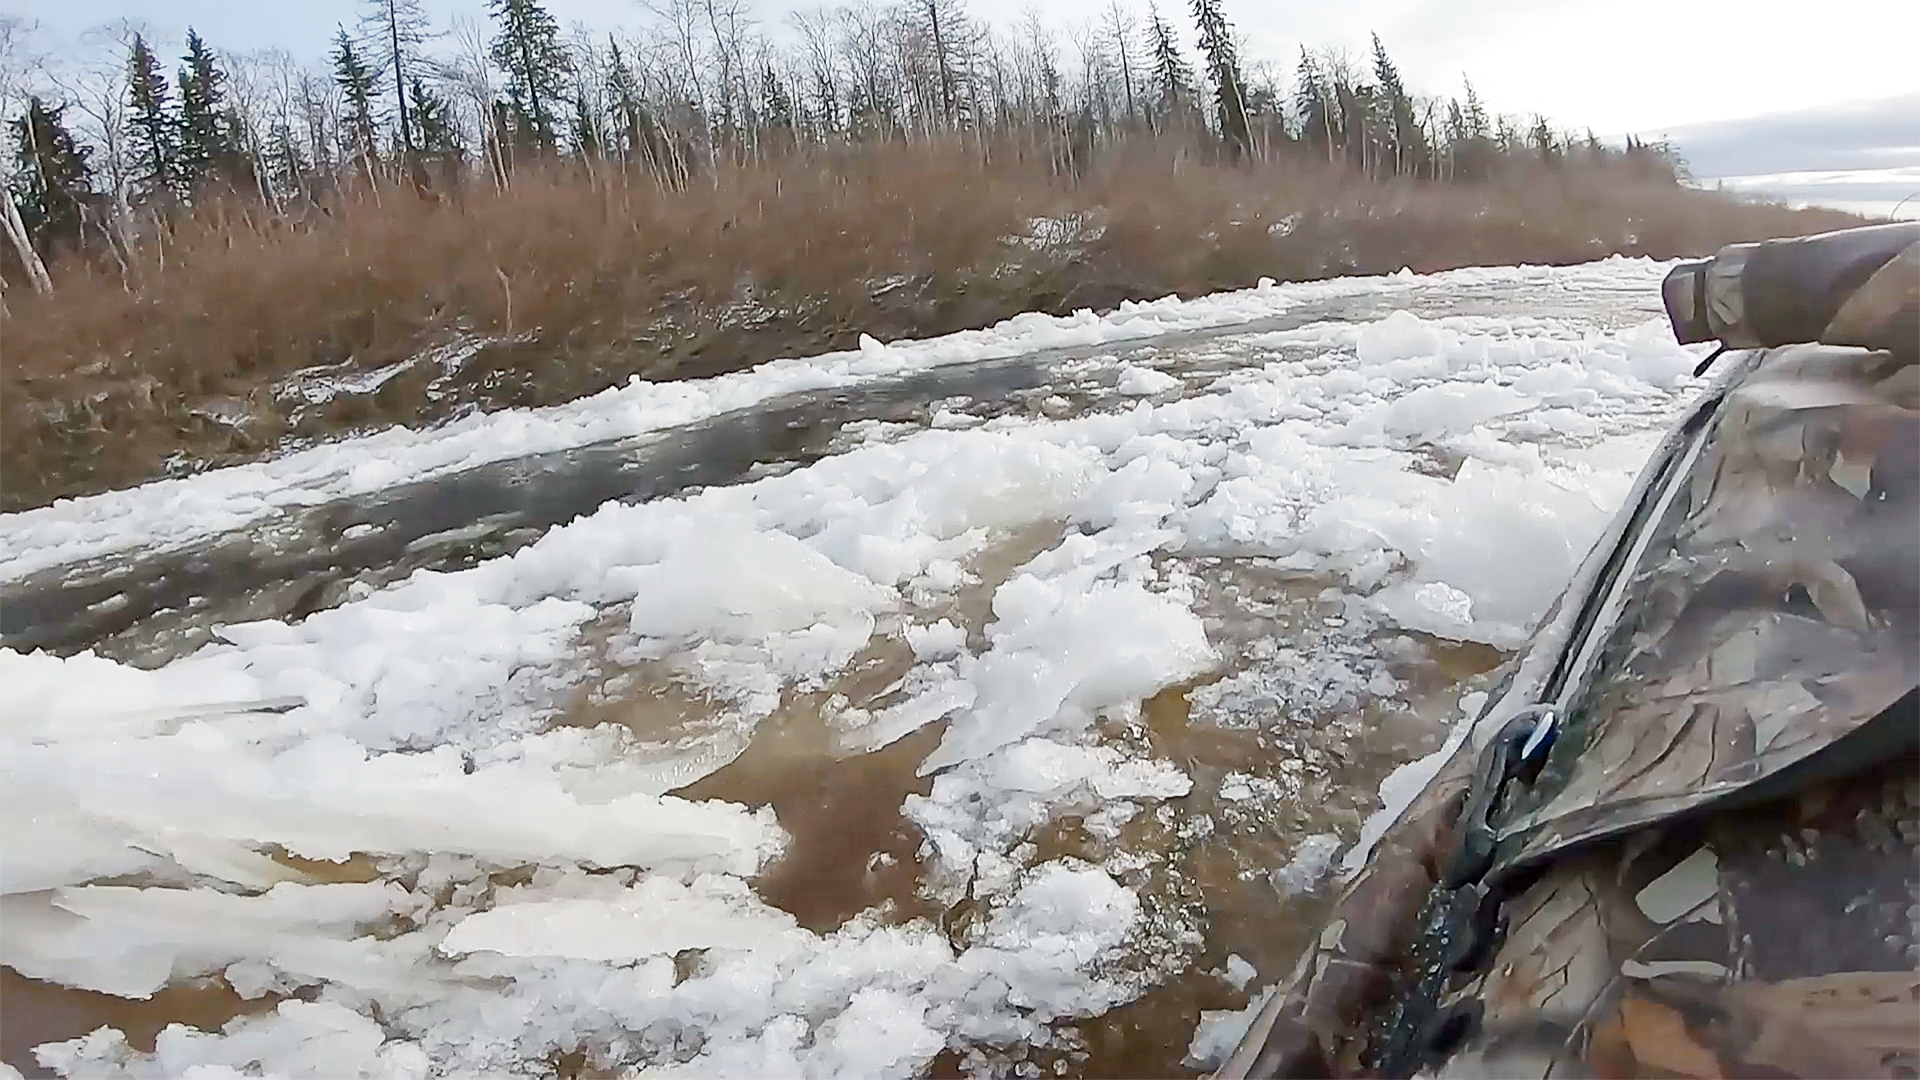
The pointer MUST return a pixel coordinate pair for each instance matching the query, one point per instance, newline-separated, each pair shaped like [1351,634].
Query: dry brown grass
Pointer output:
[102,386]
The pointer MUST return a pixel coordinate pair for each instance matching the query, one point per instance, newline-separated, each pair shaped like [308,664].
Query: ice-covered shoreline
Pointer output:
[168,513]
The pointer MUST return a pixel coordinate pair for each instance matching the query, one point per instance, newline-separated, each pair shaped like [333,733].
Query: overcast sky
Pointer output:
[1744,87]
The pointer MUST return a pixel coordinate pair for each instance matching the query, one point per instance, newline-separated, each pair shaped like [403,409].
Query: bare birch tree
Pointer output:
[15,64]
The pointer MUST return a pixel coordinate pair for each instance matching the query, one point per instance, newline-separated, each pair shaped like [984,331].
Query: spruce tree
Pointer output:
[1594,151]
[208,142]
[1352,106]
[153,136]
[1312,102]
[437,133]
[1540,138]
[625,95]
[528,49]
[1456,130]
[53,184]
[356,81]
[1506,139]
[776,107]
[1050,86]
[1223,67]
[1474,155]
[1476,114]
[1172,78]
[286,163]
[1403,129]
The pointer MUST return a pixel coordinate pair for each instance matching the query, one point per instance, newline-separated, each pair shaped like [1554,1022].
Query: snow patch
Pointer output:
[942,640]
[1138,381]
[1400,336]
[656,917]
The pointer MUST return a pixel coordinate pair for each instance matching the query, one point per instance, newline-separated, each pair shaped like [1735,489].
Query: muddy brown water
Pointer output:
[852,849]
[34,1012]
[1201,863]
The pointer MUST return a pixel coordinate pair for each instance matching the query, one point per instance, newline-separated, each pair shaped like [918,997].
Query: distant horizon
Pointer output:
[1859,156]
[1886,193]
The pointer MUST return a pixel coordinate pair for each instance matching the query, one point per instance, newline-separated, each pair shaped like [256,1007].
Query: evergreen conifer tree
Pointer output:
[1223,68]
[209,144]
[53,180]
[355,77]
[1172,78]
[1402,128]
[153,134]
[527,47]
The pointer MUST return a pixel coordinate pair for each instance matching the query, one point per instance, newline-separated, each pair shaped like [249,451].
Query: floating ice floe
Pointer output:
[539,889]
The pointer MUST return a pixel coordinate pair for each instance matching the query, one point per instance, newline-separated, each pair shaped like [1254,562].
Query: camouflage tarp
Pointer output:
[1717,870]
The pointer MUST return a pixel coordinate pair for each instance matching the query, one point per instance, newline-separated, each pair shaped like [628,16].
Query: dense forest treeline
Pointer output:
[102,150]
